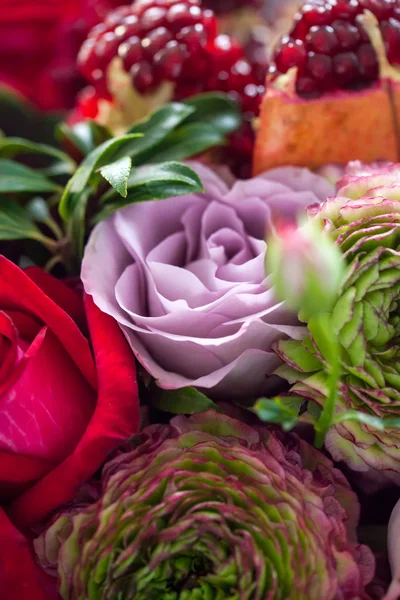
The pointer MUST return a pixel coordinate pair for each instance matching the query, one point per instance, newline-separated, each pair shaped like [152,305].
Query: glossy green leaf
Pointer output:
[154,182]
[14,146]
[187,141]
[37,209]
[16,178]
[15,223]
[216,110]
[155,128]
[185,401]
[76,189]
[82,138]
[117,174]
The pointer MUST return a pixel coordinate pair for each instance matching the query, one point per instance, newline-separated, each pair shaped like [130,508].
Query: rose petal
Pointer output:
[20,577]
[115,419]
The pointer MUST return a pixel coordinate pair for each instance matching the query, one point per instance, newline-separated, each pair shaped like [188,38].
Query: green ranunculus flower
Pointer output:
[364,221]
[210,508]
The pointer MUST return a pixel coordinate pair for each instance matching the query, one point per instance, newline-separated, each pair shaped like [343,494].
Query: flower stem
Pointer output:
[326,418]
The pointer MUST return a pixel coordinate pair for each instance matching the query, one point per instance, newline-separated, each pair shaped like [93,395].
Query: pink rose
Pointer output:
[185,278]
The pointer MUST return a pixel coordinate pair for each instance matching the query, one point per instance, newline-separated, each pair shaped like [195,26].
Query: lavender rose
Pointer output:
[185,278]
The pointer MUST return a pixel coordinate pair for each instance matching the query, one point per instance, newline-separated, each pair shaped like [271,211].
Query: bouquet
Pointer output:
[199,301]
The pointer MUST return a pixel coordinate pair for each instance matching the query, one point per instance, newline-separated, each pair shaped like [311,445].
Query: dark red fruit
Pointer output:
[330,48]
[222,7]
[176,41]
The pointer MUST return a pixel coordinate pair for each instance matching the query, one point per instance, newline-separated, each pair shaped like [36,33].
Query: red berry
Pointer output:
[322,39]
[292,53]
[346,67]
[330,28]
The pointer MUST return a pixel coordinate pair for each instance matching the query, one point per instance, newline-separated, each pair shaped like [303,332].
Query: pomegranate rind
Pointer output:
[334,128]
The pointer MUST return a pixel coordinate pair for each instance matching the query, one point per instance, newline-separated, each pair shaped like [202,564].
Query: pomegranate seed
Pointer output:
[330,28]
[194,37]
[391,35]
[346,67]
[322,39]
[347,34]
[381,8]
[319,66]
[225,50]
[142,76]
[292,53]
[155,41]
[169,60]
[314,14]
[368,61]
[342,9]
[181,15]
[152,18]
[130,52]
[307,87]
[87,58]
[107,48]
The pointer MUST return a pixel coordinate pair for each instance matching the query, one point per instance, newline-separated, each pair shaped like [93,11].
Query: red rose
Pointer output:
[62,408]
[20,577]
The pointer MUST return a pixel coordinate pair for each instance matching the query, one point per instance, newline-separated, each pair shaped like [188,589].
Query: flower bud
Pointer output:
[306,267]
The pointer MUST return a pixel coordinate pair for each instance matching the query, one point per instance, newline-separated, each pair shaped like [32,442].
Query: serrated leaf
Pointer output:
[154,182]
[14,222]
[77,186]
[16,178]
[186,141]
[216,110]
[14,146]
[185,401]
[117,174]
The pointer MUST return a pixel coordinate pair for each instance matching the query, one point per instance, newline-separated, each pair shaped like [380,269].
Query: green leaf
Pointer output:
[185,401]
[76,188]
[216,110]
[14,222]
[14,146]
[83,137]
[360,417]
[156,128]
[325,338]
[154,182]
[37,210]
[189,140]
[279,411]
[392,422]
[16,178]
[117,174]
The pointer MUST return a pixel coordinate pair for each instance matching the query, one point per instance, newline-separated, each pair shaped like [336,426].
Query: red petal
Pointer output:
[115,419]
[19,293]
[20,577]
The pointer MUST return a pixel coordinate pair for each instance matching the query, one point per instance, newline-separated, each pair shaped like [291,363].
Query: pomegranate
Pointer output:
[154,51]
[331,93]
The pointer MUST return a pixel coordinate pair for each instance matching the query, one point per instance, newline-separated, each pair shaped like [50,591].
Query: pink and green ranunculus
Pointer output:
[364,221]
[212,508]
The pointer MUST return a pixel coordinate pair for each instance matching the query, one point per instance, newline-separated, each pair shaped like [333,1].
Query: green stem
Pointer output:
[54,228]
[326,418]
[54,260]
